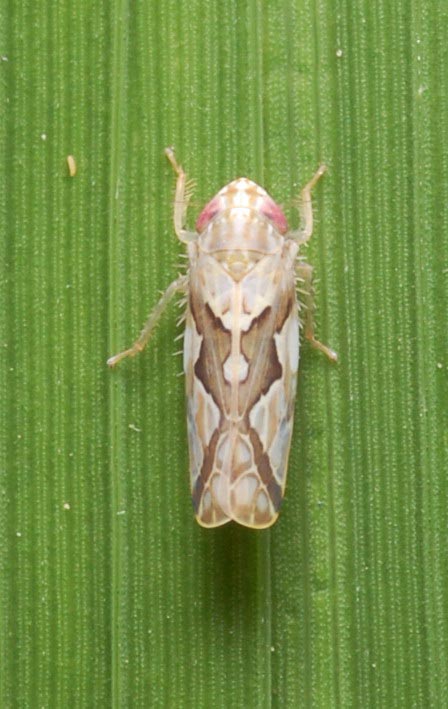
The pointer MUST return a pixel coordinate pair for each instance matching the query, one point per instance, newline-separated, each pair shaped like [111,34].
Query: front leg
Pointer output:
[305,275]
[179,285]
[303,234]
[181,199]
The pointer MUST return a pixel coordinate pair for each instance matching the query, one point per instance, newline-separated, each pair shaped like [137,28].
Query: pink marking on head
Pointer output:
[272,211]
[245,194]
[210,210]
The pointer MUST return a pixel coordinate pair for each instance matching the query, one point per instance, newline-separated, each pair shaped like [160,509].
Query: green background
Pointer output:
[110,593]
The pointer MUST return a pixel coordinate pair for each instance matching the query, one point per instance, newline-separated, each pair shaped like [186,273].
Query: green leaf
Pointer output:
[110,593]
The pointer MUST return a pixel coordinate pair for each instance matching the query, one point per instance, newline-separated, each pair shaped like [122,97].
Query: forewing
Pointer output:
[241,378]
[206,347]
[266,402]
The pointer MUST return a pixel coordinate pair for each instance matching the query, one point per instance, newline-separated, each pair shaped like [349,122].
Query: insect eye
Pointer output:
[275,214]
[206,216]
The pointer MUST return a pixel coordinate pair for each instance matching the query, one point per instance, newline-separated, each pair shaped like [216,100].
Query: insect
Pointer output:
[241,346]
[71,164]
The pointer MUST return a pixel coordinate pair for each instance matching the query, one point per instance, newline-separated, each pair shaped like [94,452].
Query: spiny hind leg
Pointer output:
[305,230]
[179,285]
[182,197]
[305,277]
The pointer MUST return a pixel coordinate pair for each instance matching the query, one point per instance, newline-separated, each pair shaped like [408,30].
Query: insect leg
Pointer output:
[305,275]
[306,209]
[181,199]
[179,284]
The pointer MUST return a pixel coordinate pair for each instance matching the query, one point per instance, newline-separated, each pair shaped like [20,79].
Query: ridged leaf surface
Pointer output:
[110,593]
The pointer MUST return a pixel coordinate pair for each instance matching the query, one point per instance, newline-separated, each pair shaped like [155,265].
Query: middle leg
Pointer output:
[305,274]
[179,285]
